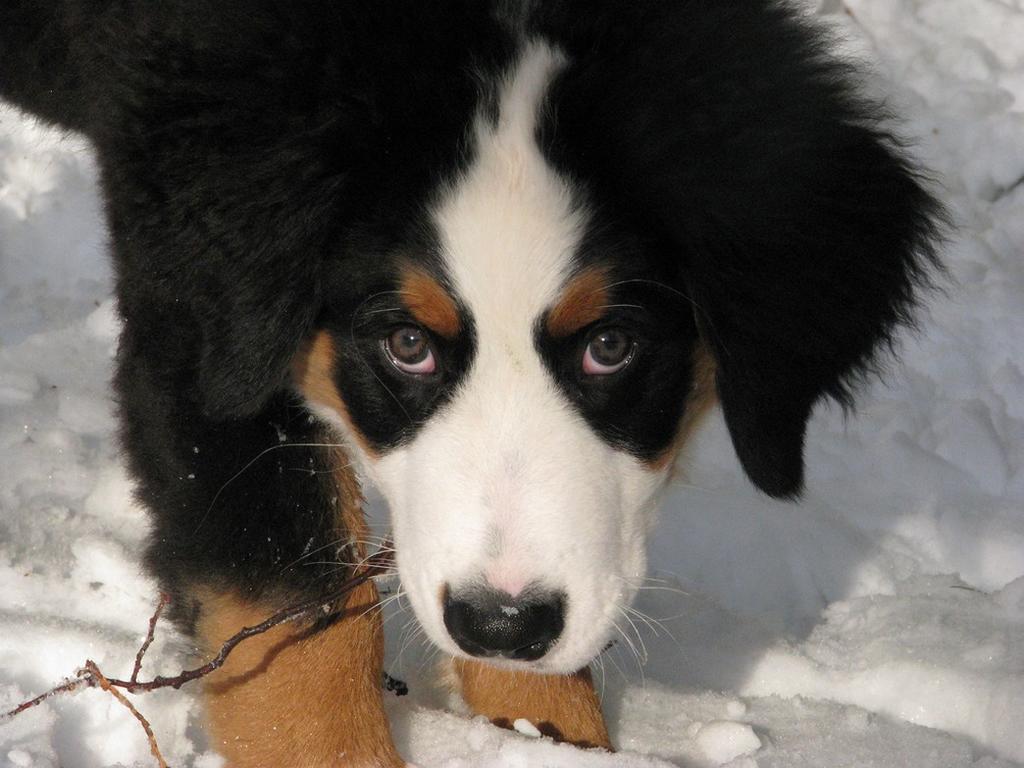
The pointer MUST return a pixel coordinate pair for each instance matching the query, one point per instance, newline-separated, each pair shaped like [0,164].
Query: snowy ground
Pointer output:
[878,623]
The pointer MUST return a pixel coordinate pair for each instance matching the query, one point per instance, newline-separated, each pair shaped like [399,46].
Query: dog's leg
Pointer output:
[564,707]
[301,695]
[298,695]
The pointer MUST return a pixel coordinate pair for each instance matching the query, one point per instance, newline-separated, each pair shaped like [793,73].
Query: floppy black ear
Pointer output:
[809,235]
[220,250]
[799,274]
[216,301]
[796,225]
[252,328]
[224,177]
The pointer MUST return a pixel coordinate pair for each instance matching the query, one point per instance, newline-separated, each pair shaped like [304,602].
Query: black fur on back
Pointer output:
[263,161]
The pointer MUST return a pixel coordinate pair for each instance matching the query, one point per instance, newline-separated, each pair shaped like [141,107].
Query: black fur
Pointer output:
[387,406]
[249,153]
[266,162]
[640,408]
[724,130]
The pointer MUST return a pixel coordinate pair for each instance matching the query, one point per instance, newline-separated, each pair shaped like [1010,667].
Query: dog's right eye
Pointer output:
[409,350]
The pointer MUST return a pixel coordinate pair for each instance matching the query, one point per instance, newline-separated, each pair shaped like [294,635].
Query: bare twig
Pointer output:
[370,568]
[164,600]
[91,676]
[66,687]
[99,679]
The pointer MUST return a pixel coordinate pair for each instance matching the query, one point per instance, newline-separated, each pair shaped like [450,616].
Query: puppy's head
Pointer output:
[521,246]
[515,387]
[518,371]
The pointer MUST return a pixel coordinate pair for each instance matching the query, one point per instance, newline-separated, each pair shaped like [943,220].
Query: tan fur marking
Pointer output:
[698,404]
[350,494]
[429,302]
[313,375]
[296,696]
[564,707]
[583,302]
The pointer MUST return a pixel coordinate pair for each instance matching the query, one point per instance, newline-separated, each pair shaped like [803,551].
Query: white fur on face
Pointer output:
[507,483]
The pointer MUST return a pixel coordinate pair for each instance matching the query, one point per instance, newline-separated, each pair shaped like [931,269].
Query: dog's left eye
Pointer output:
[607,352]
[409,351]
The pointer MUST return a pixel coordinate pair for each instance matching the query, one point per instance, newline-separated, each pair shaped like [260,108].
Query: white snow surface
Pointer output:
[879,622]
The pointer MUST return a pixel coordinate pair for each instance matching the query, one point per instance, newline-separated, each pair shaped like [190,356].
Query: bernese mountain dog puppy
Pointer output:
[495,257]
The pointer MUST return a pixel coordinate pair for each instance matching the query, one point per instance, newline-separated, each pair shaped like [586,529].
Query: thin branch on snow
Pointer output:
[164,600]
[66,687]
[106,685]
[90,675]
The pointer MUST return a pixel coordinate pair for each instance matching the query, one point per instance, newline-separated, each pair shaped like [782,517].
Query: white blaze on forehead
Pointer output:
[509,226]
[507,483]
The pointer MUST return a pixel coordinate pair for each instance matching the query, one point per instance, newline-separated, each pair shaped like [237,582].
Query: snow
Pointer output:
[880,622]
[526,728]
[722,741]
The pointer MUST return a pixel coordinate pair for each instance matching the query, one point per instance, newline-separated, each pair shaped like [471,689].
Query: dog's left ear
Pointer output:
[799,269]
[234,264]
[252,328]
[798,276]
[804,233]
[796,225]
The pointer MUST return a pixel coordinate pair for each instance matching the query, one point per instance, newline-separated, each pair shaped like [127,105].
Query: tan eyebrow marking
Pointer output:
[583,301]
[429,302]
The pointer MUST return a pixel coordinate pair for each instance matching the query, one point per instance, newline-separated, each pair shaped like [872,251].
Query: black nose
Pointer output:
[486,622]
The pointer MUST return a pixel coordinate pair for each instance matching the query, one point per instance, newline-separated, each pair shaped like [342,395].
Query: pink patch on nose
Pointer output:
[501,576]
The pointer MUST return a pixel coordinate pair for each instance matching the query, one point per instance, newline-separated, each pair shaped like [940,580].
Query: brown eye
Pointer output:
[409,350]
[608,351]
